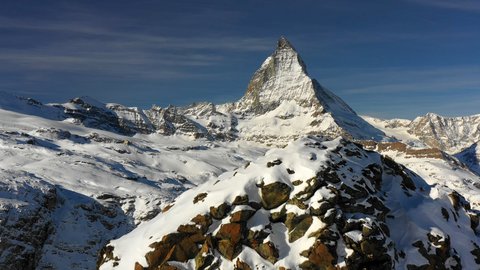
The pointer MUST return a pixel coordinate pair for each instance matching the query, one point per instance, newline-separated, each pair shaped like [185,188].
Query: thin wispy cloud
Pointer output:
[405,80]
[463,5]
[409,92]
[79,46]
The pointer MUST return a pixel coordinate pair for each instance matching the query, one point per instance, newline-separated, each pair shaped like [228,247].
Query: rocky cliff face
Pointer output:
[316,204]
[26,207]
[447,133]
[282,77]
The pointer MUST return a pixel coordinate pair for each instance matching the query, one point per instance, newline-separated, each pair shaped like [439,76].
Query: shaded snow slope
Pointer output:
[471,157]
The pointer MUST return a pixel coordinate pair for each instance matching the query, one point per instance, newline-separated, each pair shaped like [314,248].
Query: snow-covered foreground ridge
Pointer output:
[316,204]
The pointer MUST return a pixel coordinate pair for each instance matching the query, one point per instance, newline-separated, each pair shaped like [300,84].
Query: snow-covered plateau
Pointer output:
[287,177]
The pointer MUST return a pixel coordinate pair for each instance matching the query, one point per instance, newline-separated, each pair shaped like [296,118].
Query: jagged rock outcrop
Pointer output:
[317,204]
[447,133]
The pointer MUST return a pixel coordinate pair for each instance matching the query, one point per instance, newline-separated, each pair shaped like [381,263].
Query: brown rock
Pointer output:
[241,216]
[278,216]
[297,202]
[319,258]
[167,267]
[138,266]
[199,197]
[230,236]
[230,231]
[274,163]
[240,265]
[105,255]
[166,208]
[240,200]
[228,249]
[185,250]
[221,211]
[322,209]
[300,229]
[204,221]
[275,194]
[204,257]
[268,251]
[188,229]
[175,246]
[255,238]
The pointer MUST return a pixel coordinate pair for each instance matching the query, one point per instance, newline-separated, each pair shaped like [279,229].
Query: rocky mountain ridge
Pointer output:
[449,134]
[317,204]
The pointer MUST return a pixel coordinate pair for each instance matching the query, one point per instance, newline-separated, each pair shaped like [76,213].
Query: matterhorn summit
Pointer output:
[282,94]
[282,77]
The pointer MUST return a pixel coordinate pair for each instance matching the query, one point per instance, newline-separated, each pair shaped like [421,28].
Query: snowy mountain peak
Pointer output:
[284,44]
[281,88]
[281,77]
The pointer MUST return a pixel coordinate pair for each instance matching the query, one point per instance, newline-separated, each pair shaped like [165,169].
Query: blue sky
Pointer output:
[385,58]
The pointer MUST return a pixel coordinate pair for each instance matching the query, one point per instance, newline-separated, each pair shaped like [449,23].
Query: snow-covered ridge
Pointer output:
[314,204]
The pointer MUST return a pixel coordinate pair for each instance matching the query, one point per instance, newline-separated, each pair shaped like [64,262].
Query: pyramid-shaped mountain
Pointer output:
[281,88]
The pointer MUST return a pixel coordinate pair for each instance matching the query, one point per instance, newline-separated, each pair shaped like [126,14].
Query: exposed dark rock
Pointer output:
[241,216]
[275,194]
[199,197]
[268,251]
[274,163]
[319,258]
[240,265]
[300,229]
[240,200]
[221,211]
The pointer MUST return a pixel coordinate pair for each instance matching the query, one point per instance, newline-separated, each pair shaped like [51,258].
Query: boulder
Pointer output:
[300,229]
[199,197]
[268,251]
[319,258]
[275,194]
[220,211]
[241,216]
